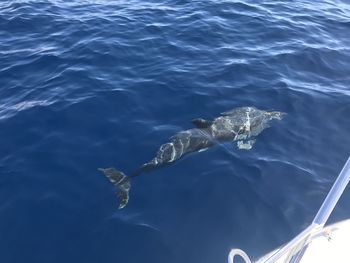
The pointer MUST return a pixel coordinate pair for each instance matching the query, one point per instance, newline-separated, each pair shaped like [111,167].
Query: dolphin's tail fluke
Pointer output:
[121,181]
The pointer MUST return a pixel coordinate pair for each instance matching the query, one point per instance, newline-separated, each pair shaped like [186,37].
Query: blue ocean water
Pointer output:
[88,84]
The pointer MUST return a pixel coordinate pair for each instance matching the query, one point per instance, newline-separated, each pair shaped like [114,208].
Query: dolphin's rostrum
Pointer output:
[240,124]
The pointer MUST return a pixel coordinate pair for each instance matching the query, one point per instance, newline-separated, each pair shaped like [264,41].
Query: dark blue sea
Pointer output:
[89,84]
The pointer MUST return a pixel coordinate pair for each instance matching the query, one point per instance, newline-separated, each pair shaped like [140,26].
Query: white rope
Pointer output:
[238,252]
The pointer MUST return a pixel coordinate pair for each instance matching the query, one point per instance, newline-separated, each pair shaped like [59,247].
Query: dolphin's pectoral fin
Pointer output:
[245,145]
[202,123]
[121,182]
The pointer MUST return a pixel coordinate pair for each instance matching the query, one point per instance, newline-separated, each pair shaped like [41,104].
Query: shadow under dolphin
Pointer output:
[241,124]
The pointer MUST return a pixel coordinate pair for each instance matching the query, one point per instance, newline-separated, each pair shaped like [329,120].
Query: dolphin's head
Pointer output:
[276,115]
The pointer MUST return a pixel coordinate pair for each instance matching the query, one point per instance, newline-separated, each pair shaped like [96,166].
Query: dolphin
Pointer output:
[241,124]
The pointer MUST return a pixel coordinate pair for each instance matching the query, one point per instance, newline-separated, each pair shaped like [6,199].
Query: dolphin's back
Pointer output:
[183,143]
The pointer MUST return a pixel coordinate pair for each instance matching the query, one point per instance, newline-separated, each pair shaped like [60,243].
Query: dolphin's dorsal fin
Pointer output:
[202,123]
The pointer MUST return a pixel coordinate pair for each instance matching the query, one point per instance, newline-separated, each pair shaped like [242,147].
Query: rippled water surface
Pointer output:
[88,84]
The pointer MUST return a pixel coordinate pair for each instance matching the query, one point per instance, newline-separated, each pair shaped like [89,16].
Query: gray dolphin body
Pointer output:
[240,124]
